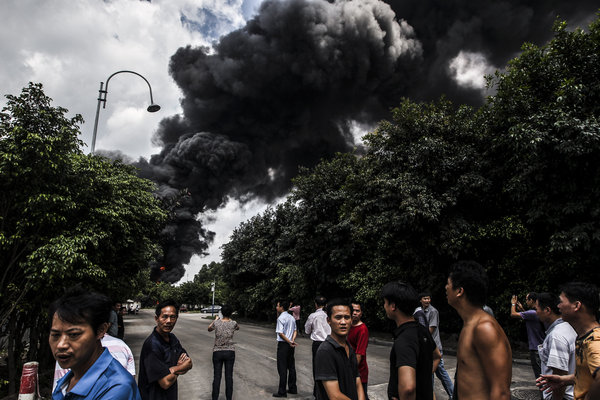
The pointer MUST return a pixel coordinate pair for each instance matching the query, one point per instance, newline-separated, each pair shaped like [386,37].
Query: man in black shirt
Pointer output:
[414,355]
[163,358]
[336,368]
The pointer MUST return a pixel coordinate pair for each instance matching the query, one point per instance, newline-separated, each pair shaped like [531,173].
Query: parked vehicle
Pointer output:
[183,308]
[211,309]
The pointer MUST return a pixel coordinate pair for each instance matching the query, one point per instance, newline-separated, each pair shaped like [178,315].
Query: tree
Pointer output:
[65,218]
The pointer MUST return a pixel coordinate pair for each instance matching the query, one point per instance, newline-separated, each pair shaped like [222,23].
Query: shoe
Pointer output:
[293,391]
[279,395]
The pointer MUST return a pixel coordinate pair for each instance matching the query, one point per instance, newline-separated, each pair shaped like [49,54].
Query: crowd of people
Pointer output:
[563,334]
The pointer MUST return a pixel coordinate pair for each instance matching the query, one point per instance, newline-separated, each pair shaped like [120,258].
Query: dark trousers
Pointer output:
[286,367]
[226,357]
[535,363]
[315,347]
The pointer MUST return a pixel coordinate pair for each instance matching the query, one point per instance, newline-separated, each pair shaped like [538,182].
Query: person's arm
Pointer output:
[359,389]
[308,324]
[407,383]
[211,326]
[333,390]
[437,357]
[496,357]
[550,383]
[513,308]
[290,342]
[558,393]
[184,364]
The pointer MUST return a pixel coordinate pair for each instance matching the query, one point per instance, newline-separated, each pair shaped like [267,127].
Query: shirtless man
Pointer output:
[484,357]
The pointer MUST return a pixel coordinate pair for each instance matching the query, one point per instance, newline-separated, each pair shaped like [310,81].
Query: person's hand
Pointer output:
[185,363]
[514,299]
[293,344]
[549,383]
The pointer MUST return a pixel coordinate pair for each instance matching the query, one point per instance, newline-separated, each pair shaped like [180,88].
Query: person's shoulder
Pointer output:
[487,330]
[529,315]
[432,309]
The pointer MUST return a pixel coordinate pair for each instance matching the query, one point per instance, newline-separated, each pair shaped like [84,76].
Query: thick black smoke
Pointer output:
[283,91]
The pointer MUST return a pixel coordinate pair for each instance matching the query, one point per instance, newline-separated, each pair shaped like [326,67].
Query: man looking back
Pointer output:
[484,357]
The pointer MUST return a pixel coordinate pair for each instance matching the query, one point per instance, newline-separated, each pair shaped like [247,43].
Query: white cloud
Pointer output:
[469,69]
[70,46]
[223,221]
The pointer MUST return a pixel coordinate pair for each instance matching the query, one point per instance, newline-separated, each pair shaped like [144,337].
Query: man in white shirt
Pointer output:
[286,343]
[317,327]
[557,352]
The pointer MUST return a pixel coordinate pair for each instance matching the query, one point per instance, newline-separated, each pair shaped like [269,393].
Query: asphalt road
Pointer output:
[255,370]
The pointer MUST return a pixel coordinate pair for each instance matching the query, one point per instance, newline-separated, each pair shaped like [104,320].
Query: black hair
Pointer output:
[548,300]
[320,301]
[166,303]
[283,303]
[424,294]
[337,302]
[470,276]
[533,296]
[226,310]
[402,294]
[356,301]
[586,293]
[82,306]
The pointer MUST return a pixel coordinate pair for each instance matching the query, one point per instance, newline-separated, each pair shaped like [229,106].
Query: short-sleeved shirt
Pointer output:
[156,358]
[419,315]
[587,360]
[433,320]
[413,347]
[535,329]
[558,351]
[358,338]
[106,379]
[117,348]
[316,326]
[295,312]
[333,364]
[286,324]
[224,331]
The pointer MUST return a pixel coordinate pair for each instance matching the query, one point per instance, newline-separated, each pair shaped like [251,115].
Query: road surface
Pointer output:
[255,370]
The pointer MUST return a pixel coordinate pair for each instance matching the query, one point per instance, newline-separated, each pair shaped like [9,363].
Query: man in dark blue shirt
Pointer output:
[163,358]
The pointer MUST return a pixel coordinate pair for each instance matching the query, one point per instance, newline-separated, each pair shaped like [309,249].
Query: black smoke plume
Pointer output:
[284,91]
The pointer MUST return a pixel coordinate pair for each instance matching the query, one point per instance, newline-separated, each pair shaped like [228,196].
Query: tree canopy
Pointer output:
[65,218]
[512,184]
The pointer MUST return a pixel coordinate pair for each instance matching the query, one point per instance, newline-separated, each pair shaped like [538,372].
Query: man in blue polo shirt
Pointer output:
[79,321]
[163,358]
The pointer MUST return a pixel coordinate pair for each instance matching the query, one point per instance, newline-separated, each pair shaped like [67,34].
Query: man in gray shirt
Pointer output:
[433,318]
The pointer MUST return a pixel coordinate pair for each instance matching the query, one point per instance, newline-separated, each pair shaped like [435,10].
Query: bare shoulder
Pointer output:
[488,333]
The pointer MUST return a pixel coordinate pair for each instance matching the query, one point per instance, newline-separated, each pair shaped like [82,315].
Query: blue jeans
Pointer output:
[443,376]
[226,357]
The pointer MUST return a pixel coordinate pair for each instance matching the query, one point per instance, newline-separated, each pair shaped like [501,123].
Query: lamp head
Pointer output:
[153,108]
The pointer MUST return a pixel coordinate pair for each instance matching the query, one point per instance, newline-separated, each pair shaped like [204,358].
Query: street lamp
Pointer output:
[102,99]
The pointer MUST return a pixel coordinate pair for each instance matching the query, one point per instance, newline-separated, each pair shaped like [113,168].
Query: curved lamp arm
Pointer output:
[102,99]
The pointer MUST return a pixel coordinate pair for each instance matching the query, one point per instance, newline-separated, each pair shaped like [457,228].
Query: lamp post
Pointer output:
[102,99]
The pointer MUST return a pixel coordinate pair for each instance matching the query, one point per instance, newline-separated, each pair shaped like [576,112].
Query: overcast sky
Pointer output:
[71,46]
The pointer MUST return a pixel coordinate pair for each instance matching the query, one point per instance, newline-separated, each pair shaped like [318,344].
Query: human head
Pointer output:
[320,301]
[339,317]
[425,299]
[82,307]
[402,295]
[117,306]
[530,299]
[79,320]
[166,316]
[546,307]
[226,310]
[166,303]
[472,279]
[282,305]
[579,296]
[356,311]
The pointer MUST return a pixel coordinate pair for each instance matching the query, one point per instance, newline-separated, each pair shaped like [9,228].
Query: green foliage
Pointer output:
[513,185]
[65,218]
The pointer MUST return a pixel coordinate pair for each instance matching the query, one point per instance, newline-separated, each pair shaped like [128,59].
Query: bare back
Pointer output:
[484,359]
